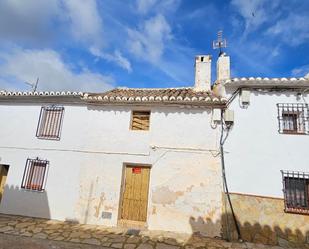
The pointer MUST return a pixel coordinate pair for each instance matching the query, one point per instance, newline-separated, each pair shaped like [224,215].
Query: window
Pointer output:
[50,121]
[296,191]
[140,120]
[293,118]
[35,174]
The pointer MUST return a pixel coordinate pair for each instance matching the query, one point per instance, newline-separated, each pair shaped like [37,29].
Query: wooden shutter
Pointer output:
[140,120]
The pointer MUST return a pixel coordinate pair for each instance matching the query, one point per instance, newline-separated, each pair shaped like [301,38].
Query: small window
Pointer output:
[140,120]
[293,118]
[49,126]
[35,174]
[296,191]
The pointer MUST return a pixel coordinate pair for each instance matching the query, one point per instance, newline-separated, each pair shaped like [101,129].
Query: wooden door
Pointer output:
[3,174]
[135,193]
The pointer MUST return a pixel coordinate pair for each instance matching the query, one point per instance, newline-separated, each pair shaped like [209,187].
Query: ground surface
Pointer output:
[18,242]
[17,232]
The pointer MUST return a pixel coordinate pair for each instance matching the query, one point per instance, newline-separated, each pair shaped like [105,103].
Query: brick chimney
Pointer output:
[223,67]
[202,73]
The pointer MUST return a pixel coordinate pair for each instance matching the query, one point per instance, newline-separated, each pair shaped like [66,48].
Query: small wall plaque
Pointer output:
[106,215]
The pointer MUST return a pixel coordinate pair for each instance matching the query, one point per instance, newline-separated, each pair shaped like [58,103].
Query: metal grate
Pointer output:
[293,118]
[34,177]
[50,122]
[296,191]
[140,120]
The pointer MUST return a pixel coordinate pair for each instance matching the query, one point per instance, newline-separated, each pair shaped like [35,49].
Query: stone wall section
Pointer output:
[263,220]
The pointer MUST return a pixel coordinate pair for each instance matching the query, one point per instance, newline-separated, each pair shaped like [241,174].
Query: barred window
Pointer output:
[140,120]
[50,121]
[293,118]
[296,191]
[34,177]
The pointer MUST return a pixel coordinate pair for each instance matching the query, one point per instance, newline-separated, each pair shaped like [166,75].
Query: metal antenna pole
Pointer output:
[34,86]
[219,43]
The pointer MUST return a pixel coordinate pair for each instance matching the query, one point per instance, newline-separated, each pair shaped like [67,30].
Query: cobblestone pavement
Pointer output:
[35,228]
[8,241]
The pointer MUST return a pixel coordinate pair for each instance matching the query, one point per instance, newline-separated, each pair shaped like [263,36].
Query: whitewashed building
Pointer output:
[131,157]
[266,156]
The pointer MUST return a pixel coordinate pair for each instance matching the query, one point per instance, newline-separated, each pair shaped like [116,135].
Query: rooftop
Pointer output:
[156,95]
[268,82]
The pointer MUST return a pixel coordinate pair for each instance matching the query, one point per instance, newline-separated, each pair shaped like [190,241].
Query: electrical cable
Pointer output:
[225,186]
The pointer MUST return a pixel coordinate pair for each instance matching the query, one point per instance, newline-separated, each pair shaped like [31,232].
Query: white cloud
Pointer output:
[301,71]
[255,12]
[293,30]
[307,76]
[29,20]
[19,66]
[143,6]
[148,42]
[86,23]
[116,57]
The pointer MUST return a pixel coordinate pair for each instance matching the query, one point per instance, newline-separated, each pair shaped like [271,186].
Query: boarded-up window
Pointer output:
[293,118]
[49,126]
[140,120]
[296,191]
[35,174]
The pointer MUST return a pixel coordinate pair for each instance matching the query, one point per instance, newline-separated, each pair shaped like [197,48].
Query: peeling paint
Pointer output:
[163,195]
[98,207]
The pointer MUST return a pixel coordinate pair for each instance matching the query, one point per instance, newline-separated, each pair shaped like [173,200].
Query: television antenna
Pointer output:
[219,43]
[34,86]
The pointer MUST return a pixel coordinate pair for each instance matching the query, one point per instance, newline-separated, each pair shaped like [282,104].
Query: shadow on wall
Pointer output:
[256,233]
[24,202]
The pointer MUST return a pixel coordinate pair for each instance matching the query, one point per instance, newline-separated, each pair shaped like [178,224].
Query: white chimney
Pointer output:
[202,73]
[223,68]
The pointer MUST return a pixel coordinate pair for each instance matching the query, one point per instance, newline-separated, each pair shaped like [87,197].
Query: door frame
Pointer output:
[8,169]
[132,223]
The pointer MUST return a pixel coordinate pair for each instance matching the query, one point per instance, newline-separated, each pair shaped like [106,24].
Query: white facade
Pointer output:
[255,151]
[86,165]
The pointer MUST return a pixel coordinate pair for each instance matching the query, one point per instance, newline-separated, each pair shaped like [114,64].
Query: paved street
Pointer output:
[18,242]
[18,232]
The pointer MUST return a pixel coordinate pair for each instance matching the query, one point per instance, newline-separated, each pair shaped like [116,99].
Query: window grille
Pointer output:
[34,177]
[293,118]
[50,121]
[296,191]
[140,120]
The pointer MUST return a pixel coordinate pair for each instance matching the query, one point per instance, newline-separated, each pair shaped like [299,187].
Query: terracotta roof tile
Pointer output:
[268,82]
[155,95]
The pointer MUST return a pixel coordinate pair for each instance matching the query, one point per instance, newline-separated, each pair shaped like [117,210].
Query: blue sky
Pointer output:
[94,45]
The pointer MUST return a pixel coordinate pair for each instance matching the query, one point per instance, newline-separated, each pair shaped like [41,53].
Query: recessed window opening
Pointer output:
[35,173]
[293,118]
[50,121]
[140,120]
[296,191]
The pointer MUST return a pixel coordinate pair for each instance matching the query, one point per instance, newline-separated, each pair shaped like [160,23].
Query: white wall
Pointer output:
[86,165]
[256,152]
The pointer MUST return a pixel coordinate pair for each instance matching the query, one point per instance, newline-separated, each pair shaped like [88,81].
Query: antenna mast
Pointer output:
[34,86]
[219,43]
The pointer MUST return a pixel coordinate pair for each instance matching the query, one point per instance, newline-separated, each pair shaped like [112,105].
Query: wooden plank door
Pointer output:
[135,193]
[3,174]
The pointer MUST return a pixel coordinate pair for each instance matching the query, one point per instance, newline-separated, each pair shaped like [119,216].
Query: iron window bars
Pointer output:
[50,121]
[293,118]
[35,173]
[296,191]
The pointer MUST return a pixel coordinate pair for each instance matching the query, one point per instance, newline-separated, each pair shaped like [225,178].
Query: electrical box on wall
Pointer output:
[229,116]
[245,97]
[216,115]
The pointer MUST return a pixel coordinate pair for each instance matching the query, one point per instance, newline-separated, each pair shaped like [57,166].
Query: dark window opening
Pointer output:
[296,191]
[34,177]
[293,118]
[50,121]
